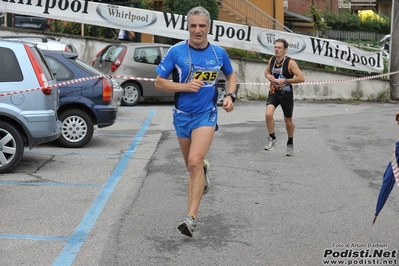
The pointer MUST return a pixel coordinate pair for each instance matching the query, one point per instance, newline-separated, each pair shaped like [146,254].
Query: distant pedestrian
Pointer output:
[387,45]
[126,35]
[282,71]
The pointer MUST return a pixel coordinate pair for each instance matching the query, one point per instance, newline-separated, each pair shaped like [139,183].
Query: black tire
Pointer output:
[11,147]
[77,128]
[131,94]
[221,93]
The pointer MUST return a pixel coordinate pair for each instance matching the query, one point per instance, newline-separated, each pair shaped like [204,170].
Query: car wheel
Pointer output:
[77,128]
[131,94]
[11,147]
[221,93]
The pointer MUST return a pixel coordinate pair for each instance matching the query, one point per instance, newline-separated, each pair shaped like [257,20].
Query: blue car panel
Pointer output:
[85,95]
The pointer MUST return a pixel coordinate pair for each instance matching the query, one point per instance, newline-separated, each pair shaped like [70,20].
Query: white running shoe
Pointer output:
[270,143]
[290,150]
[187,226]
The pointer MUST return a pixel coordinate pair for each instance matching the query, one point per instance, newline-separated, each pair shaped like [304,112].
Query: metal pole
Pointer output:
[393,53]
[274,14]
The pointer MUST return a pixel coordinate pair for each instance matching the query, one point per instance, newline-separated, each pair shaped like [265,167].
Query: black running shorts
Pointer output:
[286,100]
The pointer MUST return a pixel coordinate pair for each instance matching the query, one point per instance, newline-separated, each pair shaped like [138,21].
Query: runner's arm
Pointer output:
[294,69]
[268,72]
[164,84]
[231,83]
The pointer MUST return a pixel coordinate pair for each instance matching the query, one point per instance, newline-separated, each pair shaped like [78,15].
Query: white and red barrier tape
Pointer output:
[241,83]
[54,85]
[303,83]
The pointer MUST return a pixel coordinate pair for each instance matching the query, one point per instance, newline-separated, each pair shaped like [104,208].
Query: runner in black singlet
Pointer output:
[281,71]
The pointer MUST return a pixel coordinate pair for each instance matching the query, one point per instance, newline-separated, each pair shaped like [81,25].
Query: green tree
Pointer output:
[148,4]
[318,20]
[350,21]
[182,7]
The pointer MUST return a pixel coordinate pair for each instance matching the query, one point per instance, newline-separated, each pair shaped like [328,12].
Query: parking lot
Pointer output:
[117,201]
[55,196]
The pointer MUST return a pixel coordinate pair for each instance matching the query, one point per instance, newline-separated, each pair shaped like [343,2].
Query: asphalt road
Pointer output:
[118,200]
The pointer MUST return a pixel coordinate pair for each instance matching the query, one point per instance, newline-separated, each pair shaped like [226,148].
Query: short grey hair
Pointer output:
[199,11]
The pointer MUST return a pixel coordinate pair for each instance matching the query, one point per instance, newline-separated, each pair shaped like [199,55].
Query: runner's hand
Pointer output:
[228,104]
[194,85]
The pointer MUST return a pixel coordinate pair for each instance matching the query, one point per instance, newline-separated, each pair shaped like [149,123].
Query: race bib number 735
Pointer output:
[205,75]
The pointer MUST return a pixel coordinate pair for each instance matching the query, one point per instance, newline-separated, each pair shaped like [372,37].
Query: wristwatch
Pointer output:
[232,95]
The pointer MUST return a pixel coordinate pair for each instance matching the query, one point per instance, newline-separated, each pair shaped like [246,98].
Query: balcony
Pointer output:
[344,4]
[363,4]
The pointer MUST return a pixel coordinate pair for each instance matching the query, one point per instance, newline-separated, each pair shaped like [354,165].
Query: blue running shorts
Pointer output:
[185,123]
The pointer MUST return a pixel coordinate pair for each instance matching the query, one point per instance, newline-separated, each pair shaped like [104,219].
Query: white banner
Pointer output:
[302,47]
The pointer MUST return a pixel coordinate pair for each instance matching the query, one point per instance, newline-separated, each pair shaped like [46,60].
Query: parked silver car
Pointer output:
[139,60]
[43,42]
[53,44]
[29,100]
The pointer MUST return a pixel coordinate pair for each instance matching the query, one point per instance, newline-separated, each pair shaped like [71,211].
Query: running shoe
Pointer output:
[187,226]
[270,143]
[290,150]
[207,182]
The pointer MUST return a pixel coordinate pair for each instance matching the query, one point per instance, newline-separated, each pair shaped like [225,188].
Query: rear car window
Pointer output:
[91,70]
[46,70]
[112,53]
[61,71]
[149,55]
[165,49]
[10,69]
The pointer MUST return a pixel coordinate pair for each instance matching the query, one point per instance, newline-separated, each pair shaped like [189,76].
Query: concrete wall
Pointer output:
[250,75]
[325,85]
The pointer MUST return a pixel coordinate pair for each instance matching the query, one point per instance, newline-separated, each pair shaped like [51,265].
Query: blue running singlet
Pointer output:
[186,63]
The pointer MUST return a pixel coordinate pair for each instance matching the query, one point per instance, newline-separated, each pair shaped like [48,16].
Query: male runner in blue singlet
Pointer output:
[195,64]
